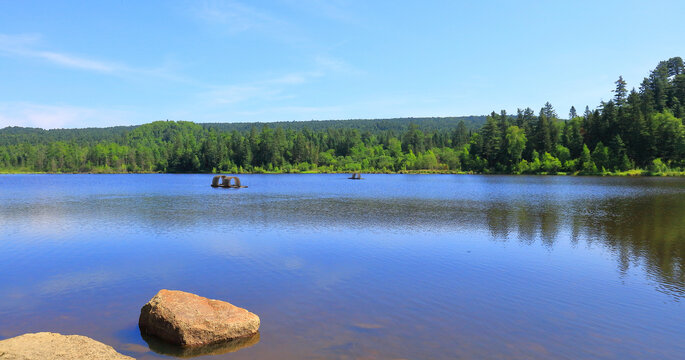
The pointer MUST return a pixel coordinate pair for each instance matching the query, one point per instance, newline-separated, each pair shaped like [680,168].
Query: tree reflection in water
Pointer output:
[647,231]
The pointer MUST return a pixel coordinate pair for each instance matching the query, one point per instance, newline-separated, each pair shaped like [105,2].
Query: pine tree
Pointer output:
[620,91]
[460,136]
[492,140]
[543,134]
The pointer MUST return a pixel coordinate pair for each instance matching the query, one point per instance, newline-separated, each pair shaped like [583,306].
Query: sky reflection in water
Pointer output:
[392,266]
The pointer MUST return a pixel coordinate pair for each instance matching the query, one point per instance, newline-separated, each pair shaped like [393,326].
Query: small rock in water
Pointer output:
[187,319]
[49,346]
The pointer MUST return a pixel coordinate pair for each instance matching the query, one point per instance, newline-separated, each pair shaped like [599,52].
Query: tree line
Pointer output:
[637,129]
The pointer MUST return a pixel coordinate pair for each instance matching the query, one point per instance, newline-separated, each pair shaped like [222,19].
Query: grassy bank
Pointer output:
[633,173]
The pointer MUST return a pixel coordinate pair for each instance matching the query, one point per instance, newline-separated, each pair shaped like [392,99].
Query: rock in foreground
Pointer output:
[186,319]
[49,346]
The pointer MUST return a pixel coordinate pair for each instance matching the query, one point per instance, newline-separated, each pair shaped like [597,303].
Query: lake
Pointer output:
[388,267]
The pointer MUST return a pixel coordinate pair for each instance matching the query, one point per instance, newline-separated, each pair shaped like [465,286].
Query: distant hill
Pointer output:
[396,125]
[24,135]
[15,135]
[634,133]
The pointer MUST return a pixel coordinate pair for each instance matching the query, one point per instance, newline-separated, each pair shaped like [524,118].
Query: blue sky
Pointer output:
[104,63]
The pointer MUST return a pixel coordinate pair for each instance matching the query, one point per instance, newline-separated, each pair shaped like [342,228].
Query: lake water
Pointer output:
[389,267]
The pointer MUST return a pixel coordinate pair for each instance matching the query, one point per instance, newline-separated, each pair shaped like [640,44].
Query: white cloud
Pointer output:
[58,116]
[263,90]
[292,79]
[331,9]
[17,41]
[331,64]
[27,46]
[277,87]
[234,16]
[73,61]
[24,45]
[233,94]
[286,113]
[244,99]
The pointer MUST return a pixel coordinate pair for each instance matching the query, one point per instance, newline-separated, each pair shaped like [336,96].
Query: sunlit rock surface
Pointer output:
[49,346]
[187,319]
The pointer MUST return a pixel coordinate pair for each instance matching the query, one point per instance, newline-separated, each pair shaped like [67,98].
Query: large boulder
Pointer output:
[187,319]
[49,346]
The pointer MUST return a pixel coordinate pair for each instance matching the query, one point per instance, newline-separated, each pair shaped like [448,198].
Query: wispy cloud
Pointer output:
[235,17]
[73,61]
[331,64]
[292,79]
[234,94]
[25,46]
[331,9]
[232,18]
[277,87]
[17,41]
[296,112]
[58,116]
[29,46]
[241,98]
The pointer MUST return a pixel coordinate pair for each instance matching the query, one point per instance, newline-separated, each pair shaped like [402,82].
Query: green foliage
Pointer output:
[600,156]
[562,153]
[395,126]
[587,165]
[492,140]
[515,143]
[550,164]
[426,161]
[638,129]
[657,166]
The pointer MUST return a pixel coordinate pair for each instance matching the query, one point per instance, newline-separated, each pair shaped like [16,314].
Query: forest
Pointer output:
[638,131]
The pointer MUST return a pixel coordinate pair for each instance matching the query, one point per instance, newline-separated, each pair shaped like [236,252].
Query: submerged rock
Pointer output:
[164,348]
[187,319]
[49,346]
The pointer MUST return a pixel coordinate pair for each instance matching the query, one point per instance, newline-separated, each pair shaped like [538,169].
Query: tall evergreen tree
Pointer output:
[543,131]
[492,139]
[620,92]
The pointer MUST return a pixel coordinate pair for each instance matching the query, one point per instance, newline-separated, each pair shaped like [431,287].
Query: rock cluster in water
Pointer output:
[200,326]
[187,319]
[53,346]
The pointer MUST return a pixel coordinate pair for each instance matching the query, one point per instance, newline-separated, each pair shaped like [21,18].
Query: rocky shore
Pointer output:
[173,323]
[54,346]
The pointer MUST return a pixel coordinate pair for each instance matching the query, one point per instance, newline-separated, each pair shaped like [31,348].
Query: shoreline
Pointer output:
[629,173]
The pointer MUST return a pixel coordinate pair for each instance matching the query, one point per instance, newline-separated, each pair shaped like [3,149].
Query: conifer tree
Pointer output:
[620,92]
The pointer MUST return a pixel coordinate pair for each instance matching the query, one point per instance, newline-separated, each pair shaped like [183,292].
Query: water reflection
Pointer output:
[436,267]
[639,220]
[645,231]
[164,348]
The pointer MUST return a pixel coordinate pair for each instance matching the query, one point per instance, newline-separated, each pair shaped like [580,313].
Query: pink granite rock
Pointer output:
[54,346]
[190,320]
